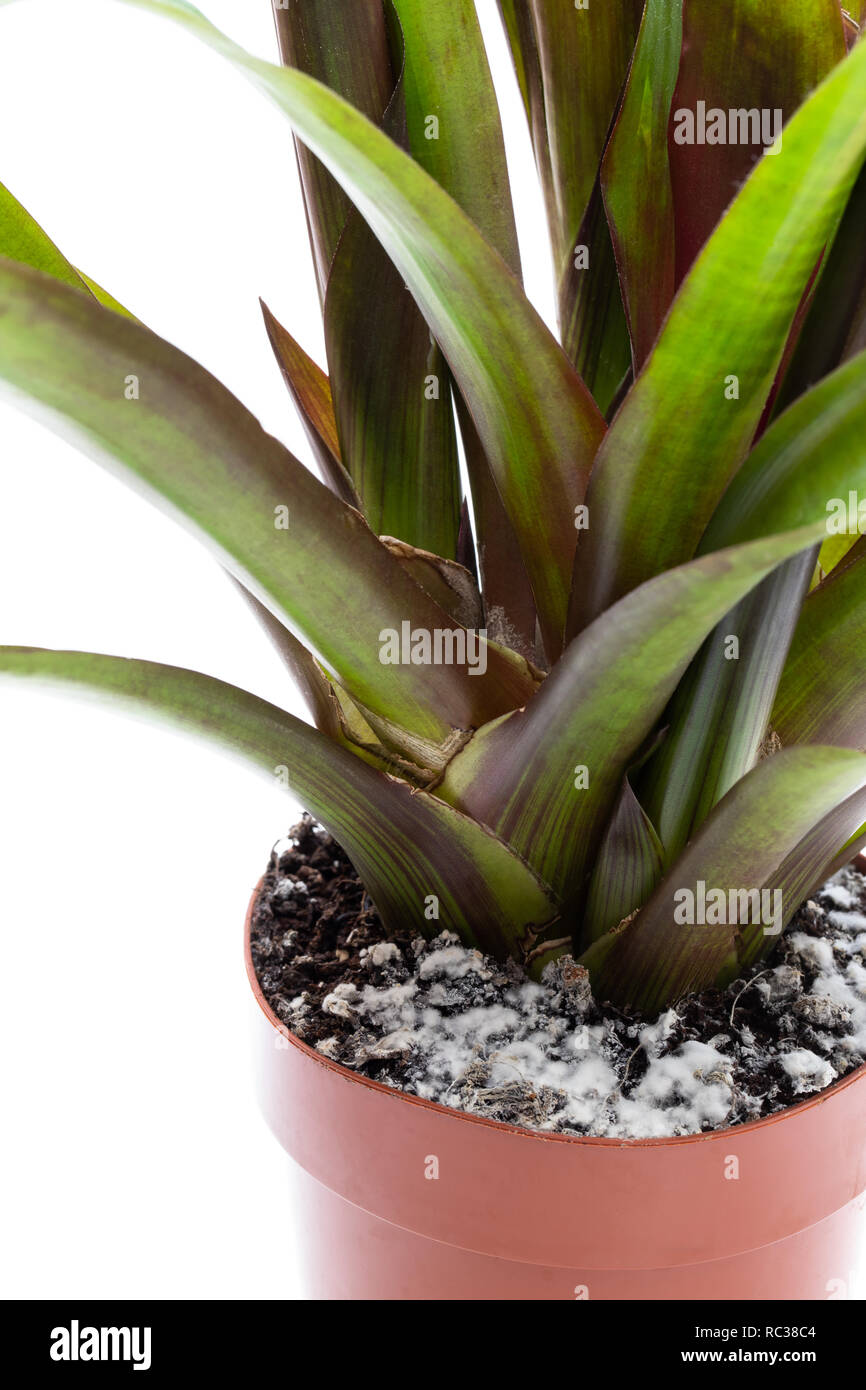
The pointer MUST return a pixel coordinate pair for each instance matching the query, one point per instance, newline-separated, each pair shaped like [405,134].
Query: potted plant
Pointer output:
[587,746]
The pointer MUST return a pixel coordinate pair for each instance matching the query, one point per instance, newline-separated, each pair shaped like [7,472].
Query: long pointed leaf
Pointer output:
[391,397]
[23,240]
[311,392]
[187,440]
[346,47]
[835,328]
[509,607]
[720,714]
[397,435]
[332,710]
[584,55]
[688,422]
[737,57]
[538,424]
[809,865]
[484,892]
[822,695]
[446,76]
[627,869]
[307,675]
[811,454]
[657,959]
[546,778]
[636,179]
[592,319]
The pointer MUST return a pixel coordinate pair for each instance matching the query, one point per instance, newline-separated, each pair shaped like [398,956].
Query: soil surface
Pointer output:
[446,1023]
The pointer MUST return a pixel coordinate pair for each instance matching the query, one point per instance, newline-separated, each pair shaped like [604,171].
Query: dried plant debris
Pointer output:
[451,1025]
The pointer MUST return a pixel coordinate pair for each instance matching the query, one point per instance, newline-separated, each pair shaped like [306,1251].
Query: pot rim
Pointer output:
[399,1096]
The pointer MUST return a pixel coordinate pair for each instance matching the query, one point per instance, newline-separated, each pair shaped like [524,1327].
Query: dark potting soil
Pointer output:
[441,1021]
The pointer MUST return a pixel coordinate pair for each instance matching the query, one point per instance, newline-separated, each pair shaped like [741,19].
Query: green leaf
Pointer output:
[835,328]
[828,847]
[636,179]
[681,434]
[832,553]
[627,868]
[810,455]
[397,435]
[584,56]
[346,47]
[333,711]
[188,441]
[822,695]
[850,853]
[314,686]
[538,424]
[720,714]
[446,75]
[392,399]
[484,892]
[738,58]
[522,775]
[23,240]
[718,719]
[104,298]
[592,320]
[591,314]
[657,959]
[310,390]
[509,608]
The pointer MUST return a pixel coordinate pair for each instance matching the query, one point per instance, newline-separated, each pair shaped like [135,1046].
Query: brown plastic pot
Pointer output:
[399,1198]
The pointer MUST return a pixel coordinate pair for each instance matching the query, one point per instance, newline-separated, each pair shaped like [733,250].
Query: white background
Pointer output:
[133,1161]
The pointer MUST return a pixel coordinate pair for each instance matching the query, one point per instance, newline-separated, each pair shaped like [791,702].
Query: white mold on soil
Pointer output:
[451,1025]
[467,1035]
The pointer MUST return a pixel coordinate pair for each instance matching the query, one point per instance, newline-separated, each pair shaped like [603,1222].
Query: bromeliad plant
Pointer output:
[650,680]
